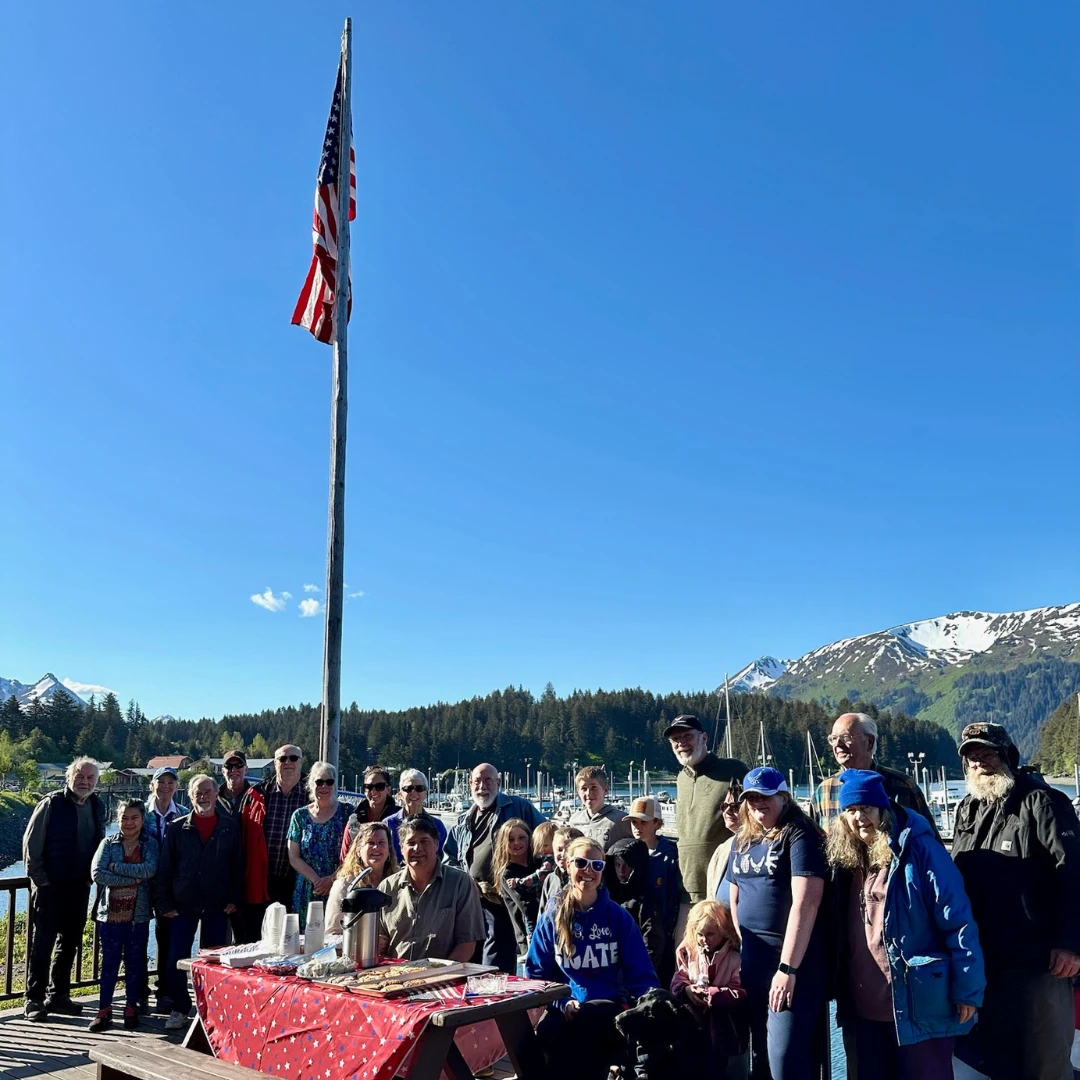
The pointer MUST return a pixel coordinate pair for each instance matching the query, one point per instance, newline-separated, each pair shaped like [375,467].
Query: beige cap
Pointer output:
[644,809]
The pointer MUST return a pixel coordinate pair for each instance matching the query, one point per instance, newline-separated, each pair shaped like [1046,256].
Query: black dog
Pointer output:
[656,1034]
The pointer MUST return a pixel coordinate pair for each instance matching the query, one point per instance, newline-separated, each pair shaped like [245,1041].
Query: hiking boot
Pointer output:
[64,1006]
[131,1017]
[34,1010]
[177,1021]
[102,1021]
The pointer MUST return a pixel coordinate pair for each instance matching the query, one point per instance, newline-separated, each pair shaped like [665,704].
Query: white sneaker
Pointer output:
[177,1021]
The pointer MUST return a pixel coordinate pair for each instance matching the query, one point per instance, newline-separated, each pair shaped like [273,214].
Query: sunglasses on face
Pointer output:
[595,864]
[380,786]
[414,789]
[290,757]
[729,808]
[233,765]
[324,781]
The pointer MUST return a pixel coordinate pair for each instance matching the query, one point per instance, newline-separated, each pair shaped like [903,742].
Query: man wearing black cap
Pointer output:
[702,785]
[231,792]
[1017,847]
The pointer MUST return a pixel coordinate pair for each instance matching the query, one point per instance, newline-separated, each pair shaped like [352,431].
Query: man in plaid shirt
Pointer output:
[283,794]
[853,738]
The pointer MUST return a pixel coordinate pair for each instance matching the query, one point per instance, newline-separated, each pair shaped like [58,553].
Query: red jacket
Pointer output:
[253,844]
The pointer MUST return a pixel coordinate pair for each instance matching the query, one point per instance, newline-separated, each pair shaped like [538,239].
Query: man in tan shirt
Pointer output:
[434,910]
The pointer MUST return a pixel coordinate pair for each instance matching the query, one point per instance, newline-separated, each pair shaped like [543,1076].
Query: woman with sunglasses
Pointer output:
[412,790]
[376,805]
[586,940]
[717,882]
[315,833]
[371,850]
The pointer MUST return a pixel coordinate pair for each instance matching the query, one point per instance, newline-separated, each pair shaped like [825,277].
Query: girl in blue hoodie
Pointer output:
[911,970]
[586,940]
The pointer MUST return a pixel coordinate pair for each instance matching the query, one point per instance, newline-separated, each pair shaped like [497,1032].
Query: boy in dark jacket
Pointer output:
[629,883]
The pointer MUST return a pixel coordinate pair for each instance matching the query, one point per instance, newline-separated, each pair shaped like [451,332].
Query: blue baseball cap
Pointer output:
[764,780]
[165,770]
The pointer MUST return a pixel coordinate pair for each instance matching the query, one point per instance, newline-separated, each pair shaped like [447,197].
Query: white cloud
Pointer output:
[84,689]
[308,608]
[312,588]
[356,595]
[271,602]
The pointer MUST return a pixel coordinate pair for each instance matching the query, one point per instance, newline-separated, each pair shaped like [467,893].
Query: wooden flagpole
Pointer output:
[330,727]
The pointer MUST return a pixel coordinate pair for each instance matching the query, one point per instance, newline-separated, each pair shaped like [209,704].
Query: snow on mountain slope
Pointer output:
[759,675]
[42,690]
[908,648]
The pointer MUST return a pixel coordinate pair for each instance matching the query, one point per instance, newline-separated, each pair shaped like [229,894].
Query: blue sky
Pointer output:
[682,333]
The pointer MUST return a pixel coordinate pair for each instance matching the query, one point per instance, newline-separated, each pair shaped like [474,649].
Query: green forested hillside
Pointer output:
[505,727]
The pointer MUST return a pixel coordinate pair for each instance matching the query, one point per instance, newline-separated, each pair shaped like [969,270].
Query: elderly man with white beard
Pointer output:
[471,846]
[1017,847]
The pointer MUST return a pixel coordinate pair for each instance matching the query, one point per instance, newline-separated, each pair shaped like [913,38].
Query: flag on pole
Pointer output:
[315,307]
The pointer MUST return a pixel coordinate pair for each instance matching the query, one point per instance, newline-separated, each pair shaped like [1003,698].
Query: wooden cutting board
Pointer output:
[390,983]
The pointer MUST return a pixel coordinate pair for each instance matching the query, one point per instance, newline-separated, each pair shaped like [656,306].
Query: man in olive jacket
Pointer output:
[1017,845]
[701,787]
[58,847]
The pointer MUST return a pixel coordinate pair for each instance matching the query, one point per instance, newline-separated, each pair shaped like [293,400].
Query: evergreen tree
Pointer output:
[11,718]
[64,720]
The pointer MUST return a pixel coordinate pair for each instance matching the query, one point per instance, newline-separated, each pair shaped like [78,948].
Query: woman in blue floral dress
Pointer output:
[315,833]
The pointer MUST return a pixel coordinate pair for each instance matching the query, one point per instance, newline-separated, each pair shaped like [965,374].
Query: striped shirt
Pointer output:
[900,788]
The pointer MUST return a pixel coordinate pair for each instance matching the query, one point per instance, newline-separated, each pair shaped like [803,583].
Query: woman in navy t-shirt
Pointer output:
[778,871]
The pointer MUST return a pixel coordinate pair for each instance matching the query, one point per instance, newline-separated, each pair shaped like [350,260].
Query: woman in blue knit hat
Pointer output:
[911,970]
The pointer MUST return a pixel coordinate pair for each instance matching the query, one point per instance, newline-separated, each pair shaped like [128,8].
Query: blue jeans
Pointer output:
[127,942]
[788,1044]
[214,933]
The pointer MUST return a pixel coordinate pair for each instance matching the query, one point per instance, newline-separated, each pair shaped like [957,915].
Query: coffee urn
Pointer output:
[360,924]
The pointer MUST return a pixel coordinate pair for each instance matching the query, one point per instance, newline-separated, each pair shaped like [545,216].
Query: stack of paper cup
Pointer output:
[273,929]
[313,931]
[291,945]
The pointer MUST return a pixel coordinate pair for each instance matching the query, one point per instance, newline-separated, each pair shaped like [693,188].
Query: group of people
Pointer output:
[742,931]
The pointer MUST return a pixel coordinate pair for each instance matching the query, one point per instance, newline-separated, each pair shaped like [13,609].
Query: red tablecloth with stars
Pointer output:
[297,1030]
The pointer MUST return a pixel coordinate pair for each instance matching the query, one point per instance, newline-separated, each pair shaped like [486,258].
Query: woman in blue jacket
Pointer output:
[911,969]
[585,939]
[123,869]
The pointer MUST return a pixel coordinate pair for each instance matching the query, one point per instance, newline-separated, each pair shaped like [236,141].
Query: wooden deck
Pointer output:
[61,1045]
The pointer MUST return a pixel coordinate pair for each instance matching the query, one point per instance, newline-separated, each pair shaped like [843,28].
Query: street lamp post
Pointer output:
[916,760]
[528,762]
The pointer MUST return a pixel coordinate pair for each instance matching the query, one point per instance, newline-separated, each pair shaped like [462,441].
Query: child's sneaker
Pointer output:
[177,1021]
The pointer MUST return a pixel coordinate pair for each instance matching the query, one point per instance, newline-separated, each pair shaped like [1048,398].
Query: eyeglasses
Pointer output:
[237,765]
[414,789]
[729,808]
[595,864]
[482,781]
[294,758]
[380,786]
[841,740]
[324,781]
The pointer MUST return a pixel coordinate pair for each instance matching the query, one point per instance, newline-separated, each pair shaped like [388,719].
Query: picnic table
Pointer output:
[300,1030]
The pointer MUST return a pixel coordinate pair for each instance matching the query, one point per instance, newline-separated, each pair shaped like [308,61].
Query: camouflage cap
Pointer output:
[984,733]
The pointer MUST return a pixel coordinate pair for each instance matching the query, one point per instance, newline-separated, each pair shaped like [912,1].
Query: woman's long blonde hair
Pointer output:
[353,864]
[702,914]
[500,859]
[846,849]
[564,901]
[750,831]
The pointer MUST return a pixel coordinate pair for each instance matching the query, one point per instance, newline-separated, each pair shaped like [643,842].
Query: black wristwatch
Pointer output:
[786,969]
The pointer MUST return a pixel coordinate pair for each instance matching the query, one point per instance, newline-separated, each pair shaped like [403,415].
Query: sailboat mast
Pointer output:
[728,750]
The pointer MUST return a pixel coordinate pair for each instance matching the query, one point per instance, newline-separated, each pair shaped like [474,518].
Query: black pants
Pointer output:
[58,914]
[499,947]
[281,888]
[1025,1027]
[246,923]
[583,1047]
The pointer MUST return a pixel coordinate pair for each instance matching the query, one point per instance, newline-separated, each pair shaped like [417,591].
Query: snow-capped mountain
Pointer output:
[910,648]
[759,675]
[42,690]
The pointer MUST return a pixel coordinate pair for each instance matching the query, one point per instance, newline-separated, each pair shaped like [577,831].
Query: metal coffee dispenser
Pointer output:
[360,909]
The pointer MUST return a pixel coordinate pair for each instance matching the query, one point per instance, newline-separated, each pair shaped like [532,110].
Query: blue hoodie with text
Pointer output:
[609,962]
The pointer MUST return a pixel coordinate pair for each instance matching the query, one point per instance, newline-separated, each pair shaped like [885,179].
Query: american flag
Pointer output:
[315,308]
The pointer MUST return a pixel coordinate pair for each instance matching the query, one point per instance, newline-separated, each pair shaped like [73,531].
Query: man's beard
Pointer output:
[485,802]
[990,787]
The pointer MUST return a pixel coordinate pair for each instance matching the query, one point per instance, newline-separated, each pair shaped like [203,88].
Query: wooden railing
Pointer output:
[19,940]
